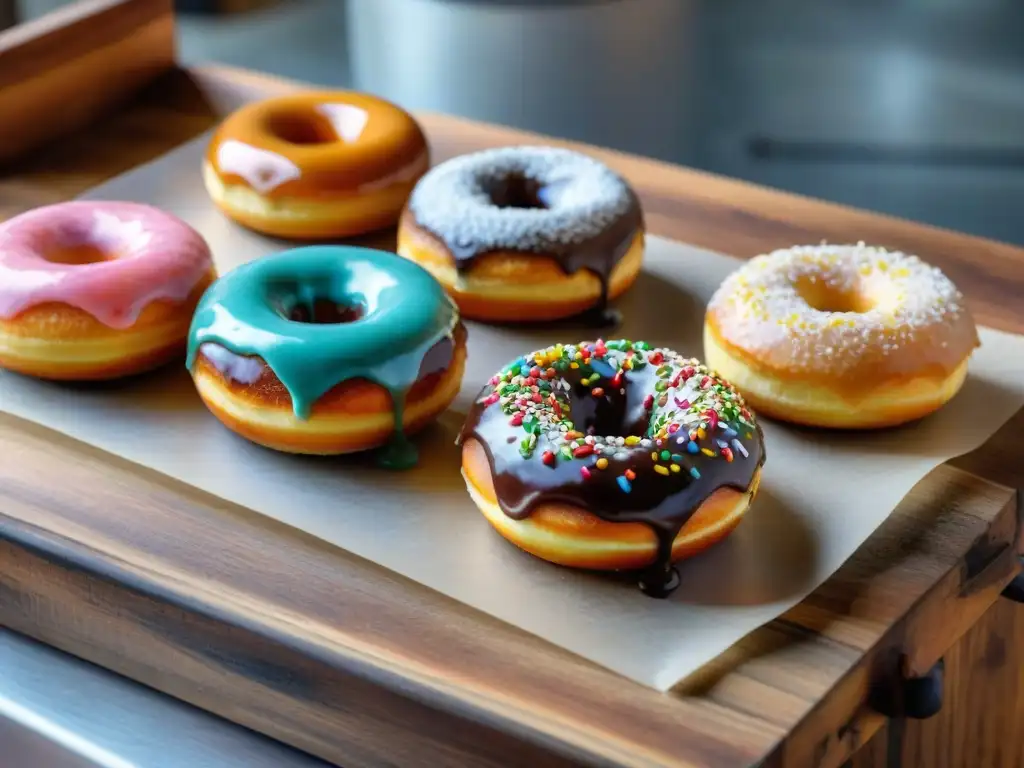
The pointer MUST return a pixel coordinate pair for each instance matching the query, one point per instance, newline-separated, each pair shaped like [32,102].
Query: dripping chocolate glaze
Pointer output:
[663,502]
[598,255]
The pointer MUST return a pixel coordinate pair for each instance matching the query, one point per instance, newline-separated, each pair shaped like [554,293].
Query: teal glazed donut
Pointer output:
[326,350]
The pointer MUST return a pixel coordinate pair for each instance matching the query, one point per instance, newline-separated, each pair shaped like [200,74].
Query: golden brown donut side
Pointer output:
[570,535]
[61,342]
[825,402]
[515,286]
[353,416]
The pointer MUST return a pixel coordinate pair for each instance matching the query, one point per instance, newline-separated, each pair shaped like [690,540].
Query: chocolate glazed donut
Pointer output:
[626,432]
[543,202]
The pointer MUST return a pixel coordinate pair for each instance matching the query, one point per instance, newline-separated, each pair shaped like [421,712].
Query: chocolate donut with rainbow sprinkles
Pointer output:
[524,234]
[845,336]
[612,456]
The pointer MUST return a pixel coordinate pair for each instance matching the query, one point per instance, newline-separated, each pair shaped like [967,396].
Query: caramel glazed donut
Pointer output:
[845,336]
[525,233]
[315,165]
[328,350]
[612,456]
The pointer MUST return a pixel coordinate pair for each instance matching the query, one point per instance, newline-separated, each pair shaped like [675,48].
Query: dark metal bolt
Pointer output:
[1015,589]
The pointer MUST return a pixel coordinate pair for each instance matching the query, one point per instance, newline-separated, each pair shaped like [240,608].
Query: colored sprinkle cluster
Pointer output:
[692,412]
[836,306]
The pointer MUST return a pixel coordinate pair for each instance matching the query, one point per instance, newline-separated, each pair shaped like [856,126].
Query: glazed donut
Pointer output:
[97,290]
[315,165]
[525,234]
[612,456]
[847,336]
[328,350]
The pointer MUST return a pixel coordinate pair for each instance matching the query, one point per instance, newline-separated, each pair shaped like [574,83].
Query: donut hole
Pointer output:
[324,312]
[77,255]
[298,128]
[517,191]
[823,297]
[318,311]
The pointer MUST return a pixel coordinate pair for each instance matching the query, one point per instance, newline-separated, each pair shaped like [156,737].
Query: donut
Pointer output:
[328,350]
[97,290]
[612,456]
[315,165]
[841,336]
[525,234]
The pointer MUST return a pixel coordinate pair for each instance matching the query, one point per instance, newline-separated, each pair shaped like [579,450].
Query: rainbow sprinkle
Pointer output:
[693,413]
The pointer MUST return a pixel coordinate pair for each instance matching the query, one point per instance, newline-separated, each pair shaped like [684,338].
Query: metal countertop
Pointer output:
[59,712]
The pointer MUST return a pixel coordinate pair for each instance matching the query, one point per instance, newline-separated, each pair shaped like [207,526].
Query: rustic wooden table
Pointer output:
[283,633]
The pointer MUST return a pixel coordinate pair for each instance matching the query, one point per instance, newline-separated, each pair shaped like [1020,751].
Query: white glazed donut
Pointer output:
[840,335]
[525,233]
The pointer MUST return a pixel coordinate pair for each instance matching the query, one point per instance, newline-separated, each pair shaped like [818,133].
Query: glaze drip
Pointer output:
[405,319]
[551,202]
[631,433]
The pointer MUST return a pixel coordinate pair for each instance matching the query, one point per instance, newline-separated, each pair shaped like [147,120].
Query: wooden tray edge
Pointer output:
[60,72]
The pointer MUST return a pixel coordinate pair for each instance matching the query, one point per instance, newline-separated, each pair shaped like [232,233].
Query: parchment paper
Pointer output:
[821,496]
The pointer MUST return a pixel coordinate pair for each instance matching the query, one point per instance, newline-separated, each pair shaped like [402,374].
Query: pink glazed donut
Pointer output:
[97,290]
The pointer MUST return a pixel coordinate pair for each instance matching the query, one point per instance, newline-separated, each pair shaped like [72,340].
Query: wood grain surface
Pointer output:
[283,633]
[980,724]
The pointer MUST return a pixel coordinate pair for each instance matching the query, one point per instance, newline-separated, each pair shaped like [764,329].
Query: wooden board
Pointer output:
[283,633]
[82,59]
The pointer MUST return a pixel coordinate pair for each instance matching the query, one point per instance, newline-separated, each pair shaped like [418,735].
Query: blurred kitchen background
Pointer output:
[909,107]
